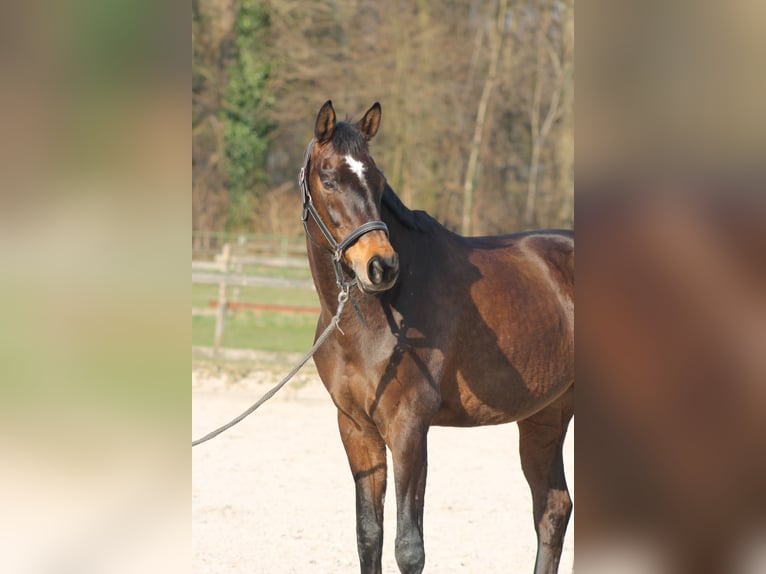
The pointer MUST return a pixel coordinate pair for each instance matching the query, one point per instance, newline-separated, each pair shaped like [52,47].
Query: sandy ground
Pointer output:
[275,495]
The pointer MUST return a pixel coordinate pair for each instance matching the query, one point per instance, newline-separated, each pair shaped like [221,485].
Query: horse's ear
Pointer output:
[325,123]
[368,125]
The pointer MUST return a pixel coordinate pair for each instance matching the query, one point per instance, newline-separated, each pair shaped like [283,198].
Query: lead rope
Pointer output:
[334,324]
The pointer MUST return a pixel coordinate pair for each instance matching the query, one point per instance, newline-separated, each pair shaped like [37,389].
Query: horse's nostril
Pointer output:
[383,270]
[375,270]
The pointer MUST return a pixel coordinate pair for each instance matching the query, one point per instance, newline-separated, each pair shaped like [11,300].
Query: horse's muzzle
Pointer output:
[382,272]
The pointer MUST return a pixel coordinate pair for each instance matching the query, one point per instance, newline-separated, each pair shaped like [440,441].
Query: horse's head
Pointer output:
[346,187]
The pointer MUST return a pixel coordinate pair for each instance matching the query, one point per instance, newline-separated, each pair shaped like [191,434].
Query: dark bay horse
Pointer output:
[443,330]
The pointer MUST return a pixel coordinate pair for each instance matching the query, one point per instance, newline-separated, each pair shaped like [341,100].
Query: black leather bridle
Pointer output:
[337,249]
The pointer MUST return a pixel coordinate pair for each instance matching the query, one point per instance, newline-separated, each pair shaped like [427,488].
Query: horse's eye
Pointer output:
[330,185]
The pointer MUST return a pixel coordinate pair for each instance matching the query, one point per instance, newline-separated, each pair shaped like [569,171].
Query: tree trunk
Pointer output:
[534,166]
[539,131]
[566,139]
[495,42]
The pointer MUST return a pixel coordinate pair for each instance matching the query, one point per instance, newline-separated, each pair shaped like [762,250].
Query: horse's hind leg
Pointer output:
[541,438]
[366,453]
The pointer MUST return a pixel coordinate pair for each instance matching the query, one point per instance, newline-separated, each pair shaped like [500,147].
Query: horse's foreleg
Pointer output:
[409,453]
[541,438]
[366,453]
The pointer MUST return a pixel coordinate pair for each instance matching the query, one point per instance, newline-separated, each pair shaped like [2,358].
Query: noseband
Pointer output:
[337,249]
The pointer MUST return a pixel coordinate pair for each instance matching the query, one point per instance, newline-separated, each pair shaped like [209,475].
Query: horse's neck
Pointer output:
[320,262]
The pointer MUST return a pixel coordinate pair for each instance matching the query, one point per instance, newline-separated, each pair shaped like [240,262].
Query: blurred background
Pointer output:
[671,287]
[94,229]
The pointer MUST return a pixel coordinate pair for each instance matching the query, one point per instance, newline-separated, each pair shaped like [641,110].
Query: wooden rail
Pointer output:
[243,305]
[226,271]
[250,280]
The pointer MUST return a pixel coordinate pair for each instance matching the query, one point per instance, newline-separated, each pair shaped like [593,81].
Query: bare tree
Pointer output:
[495,48]
[566,137]
[540,130]
[477,125]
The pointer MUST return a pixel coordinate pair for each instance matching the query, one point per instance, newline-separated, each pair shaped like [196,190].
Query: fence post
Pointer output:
[220,315]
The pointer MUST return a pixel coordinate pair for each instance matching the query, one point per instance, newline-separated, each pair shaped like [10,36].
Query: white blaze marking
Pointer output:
[357,167]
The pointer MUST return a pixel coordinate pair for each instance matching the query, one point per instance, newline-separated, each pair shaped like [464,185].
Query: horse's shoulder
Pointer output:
[539,240]
[553,249]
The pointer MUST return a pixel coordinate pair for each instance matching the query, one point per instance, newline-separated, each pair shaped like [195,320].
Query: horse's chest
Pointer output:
[378,383]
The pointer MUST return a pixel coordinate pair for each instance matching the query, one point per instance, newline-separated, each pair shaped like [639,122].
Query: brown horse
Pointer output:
[443,330]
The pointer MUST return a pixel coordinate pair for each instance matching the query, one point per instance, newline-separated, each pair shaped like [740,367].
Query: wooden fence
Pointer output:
[226,269]
[207,245]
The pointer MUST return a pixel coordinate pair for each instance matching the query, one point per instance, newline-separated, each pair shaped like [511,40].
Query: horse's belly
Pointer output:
[508,361]
[490,392]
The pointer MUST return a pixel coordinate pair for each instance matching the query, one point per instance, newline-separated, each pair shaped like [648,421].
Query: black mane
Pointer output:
[348,140]
[415,220]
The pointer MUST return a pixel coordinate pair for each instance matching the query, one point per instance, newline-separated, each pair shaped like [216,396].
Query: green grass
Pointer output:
[263,330]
